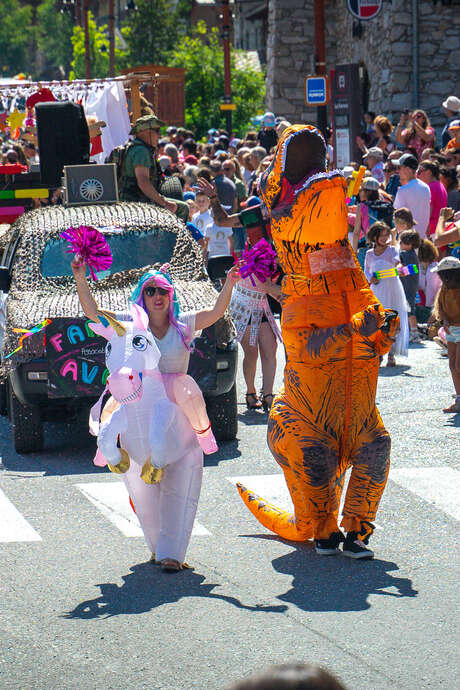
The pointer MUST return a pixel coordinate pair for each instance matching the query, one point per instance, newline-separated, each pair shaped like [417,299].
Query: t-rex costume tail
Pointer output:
[324,420]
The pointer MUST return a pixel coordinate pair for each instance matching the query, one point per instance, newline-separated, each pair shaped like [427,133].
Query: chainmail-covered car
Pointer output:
[60,369]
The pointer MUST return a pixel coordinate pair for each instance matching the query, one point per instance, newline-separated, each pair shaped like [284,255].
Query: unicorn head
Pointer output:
[130,352]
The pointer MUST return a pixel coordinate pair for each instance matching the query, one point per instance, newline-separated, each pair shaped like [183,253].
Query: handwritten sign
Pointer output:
[76,359]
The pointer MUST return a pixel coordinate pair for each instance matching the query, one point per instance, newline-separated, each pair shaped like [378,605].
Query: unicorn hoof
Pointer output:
[151,474]
[123,465]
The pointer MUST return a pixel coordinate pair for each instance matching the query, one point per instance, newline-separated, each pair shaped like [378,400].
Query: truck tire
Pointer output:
[27,426]
[223,415]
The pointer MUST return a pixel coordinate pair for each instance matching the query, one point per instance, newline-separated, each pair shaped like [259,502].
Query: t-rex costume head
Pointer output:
[324,420]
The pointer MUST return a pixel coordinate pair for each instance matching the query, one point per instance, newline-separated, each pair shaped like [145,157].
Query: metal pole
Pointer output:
[320,58]
[111,38]
[86,30]
[227,68]
[415,54]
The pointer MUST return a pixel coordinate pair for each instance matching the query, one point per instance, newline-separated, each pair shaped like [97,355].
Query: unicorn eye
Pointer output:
[139,342]
[108,349]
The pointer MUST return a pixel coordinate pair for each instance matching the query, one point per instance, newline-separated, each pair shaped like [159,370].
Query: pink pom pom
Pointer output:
[259,261]
[90,246]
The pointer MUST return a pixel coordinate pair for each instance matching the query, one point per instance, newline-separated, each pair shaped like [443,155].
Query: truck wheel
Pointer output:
[27,426]
[223,415]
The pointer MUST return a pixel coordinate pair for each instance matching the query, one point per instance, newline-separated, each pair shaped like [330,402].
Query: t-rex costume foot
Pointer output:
[324,420]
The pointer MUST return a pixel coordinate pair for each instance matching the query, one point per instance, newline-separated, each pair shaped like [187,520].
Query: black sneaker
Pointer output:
[355,547]
[329,547]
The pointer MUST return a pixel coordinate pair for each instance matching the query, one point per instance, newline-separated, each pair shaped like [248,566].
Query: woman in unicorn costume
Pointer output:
[166,508]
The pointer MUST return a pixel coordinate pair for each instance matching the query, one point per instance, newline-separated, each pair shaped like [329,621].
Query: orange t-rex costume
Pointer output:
[324,420]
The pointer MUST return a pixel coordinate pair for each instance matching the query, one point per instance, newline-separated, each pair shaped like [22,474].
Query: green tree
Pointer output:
[54,39]
[98,51]
[15,37]
[202,57]
[152,30]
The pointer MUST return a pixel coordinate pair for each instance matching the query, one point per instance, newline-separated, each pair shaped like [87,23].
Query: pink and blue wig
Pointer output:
[163,280]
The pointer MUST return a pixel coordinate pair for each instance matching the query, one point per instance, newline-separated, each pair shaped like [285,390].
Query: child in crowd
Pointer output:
[389,291]
[429,282]
[447,310]
[202,218]
[409,242]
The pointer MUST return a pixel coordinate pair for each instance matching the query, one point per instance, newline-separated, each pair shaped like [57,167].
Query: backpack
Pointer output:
[380,210]
[117,156]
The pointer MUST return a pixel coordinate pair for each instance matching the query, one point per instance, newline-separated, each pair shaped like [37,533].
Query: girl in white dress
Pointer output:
[389,291]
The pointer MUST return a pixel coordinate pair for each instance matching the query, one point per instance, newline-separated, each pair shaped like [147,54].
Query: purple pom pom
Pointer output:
[90,246]
[259,261]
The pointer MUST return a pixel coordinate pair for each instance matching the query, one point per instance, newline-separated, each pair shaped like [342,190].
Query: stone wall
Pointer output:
[384,50]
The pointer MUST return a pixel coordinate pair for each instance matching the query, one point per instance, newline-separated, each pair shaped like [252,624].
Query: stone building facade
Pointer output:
[384,50]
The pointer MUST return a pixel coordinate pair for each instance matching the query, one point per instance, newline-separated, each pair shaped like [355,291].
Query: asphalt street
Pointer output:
[81,607]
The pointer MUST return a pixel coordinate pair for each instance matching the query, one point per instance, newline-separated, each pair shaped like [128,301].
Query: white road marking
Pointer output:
[111,499]
[438,485]
[13,526]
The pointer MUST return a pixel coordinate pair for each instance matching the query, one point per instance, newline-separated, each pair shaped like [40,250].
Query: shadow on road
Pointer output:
[146,587]
[336,583]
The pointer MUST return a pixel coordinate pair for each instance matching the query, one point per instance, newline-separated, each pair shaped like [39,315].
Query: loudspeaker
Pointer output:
[63,138]
[90,184]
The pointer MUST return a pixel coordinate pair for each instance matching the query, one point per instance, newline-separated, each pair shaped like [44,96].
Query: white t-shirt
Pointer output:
[218,239]
[202,220]
[416,196]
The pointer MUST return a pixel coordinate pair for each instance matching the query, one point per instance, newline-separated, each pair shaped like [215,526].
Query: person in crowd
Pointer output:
[391,171]
[203,217]
[451,108]
[409,242]
[447,310]
[369,209]
[448,177]
[369,129]
[384,255]
[226,188]
[267,136]
[257,155]
[454,144]
[373,159]
[31,153]
[429,282]
[229,168]
[452,158]
[428,154]
[172,151]
[281,126]
[141,173]
[245,173]
[428,172]
[382,138]
[290,677]
[413,194]
[414,130]
[447,230]
[260,336]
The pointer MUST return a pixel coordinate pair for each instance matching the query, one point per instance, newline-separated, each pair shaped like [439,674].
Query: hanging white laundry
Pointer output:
[109,104]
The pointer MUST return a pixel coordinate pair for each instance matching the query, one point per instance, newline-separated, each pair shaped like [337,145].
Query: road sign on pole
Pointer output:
[317,90]
[364,9]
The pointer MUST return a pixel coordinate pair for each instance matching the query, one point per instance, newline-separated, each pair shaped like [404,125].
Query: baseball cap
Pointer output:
[189,196]
[455,124]
[370,183]
[452,103]
[447,264]
[375,152]
[408,160]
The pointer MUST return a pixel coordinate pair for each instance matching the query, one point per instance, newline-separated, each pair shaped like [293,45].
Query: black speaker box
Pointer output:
[63,138]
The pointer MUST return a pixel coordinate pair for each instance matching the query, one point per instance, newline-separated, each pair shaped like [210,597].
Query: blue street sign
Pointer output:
[316,90]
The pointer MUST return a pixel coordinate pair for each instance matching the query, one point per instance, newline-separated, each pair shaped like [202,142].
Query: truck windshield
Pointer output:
[129,250]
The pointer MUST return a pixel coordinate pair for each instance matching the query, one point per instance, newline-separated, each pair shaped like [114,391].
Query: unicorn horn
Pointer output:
[107,318]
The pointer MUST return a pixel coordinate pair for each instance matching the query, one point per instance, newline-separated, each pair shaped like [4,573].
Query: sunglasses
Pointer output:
[150,291]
